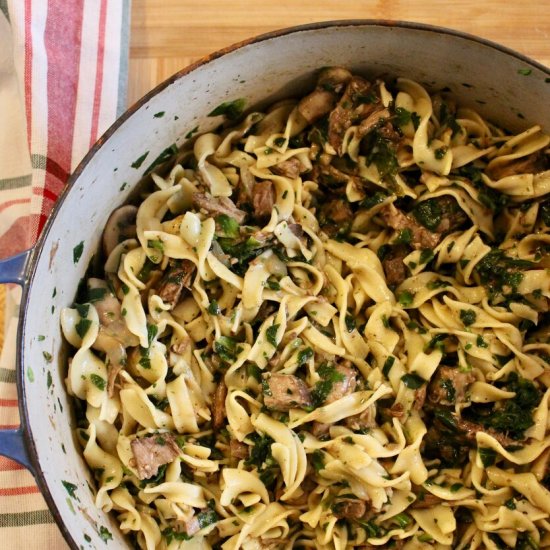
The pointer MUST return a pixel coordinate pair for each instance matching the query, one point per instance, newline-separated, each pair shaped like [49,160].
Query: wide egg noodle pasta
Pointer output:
[330,327]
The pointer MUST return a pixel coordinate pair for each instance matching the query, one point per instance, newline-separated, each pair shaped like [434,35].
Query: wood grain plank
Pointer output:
[167,35]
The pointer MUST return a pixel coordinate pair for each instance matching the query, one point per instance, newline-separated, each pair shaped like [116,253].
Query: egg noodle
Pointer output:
[326,327]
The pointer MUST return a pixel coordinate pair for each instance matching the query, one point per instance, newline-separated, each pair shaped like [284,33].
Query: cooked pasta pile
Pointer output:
[326,327]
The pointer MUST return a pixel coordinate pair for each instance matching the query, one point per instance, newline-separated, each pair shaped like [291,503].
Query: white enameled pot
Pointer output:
[502,85]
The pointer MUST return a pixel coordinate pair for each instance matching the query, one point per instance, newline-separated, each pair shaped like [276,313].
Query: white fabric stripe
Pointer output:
[39,127]
[111,66]
[27,503]
[86,82]
[22,478]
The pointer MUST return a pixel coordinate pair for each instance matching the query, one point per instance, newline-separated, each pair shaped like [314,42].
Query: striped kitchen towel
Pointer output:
[63,74]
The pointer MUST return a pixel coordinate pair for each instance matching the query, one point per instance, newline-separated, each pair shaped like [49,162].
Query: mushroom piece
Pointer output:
[120,226]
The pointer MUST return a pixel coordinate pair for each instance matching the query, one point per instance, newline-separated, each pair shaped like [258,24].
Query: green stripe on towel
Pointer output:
[22,519]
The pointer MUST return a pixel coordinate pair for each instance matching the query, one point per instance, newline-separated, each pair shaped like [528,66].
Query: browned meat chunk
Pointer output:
[448,386]
[394,267]
[344,386]
[216,206]
[374,120]
[470,429]
[290,168]
[152,452]
[335,216]
[316,104]
[218,406]
[192,526]
[420,236]
[362,421]
[177,278]
[397,410]
[349,508]
[531,164]
[419,398]
[319,429]
[283,392]
[238,450]
[358,102]
[263,198]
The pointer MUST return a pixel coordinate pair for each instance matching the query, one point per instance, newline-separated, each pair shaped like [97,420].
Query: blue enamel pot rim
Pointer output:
[19,443]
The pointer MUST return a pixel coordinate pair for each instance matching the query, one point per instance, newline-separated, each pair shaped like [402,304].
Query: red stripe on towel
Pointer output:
[99,71]
[62,40]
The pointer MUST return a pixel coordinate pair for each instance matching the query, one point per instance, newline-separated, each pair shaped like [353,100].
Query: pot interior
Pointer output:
[502,86]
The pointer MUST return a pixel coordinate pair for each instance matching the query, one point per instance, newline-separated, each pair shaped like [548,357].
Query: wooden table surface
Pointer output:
[167,35]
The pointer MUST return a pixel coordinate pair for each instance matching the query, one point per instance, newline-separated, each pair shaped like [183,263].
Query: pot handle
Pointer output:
[12,443]
[13,269]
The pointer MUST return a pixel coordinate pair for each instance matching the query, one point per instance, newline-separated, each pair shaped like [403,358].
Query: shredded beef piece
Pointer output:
[394,267]
[238,450]
[397,410]
[319,429]
[290,168]
[153,451]
[344,387]
[335,216]
[285,392]
[218,406]
[470,429]
[419,398]
[448,386]
[263,198]
[420,236]
[374,118]
[219,205]
[349,508]
[365,420]
[352,105]
[177,278]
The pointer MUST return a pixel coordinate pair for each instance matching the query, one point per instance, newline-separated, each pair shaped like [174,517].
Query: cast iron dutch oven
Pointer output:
[502,85]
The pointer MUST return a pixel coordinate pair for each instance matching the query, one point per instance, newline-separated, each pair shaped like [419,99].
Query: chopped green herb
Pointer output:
[98,381]
[329,376]
[138,162]
[524,72]
[271,335]
[214,308]
[350,323]
[30,374]
[403,520]
[304,356]
[231,109]
[318,460]
[228,225]
[254,371]
[77,251]
[402,117]
[455,487]
[191,132]
[105,534]
[207,517]
[160,114]
[157,244]
[41,338]
[413,381]
[226,348]
[510,504]
[47,356]
[405,298]
[273,285]
[440,153]
[436,284]
[487,456]
[49,380]
[96,294]
[428,213]
[388,364]
[82,327]
[279,142]
[481,343]
[404,236]
[70,488]
[426,255]
[468,317]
